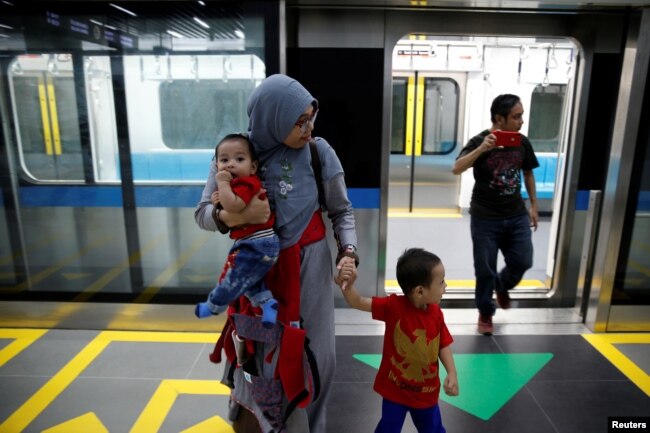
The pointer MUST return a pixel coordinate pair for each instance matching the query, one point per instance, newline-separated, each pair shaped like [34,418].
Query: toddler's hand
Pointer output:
[347,274]
[223,176]
[451,386]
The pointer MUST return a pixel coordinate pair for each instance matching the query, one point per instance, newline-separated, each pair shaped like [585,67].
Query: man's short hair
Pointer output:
[502,105]
[414,268]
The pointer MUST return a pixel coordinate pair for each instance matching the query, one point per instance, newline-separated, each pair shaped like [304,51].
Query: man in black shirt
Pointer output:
[499,218]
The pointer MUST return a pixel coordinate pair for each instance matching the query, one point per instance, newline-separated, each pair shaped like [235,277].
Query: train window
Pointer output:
[546,109]
[43,92]
[179,106]
[398,123]
[440,116]
[196,114]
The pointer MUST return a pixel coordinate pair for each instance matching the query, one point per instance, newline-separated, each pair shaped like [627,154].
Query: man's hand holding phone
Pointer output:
[507,138]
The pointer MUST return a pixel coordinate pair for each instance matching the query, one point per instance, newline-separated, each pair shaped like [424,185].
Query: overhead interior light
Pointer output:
[175,34]
[202,3]
[2,35]
[126,11]
[202,23]
[7,3]
[104,25]
[240,34]
[4,26]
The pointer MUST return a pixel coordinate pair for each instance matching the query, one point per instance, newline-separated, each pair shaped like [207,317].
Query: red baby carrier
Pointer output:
[296,372]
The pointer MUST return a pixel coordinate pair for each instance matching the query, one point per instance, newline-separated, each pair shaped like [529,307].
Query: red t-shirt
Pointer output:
[246,188]
[408,373]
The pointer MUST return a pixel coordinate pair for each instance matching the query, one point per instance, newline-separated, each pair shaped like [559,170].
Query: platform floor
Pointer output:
[541,371]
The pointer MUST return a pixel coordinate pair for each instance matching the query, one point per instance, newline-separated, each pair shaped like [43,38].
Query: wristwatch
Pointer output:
[348,250]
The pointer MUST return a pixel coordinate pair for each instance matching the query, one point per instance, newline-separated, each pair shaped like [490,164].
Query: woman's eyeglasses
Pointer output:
[306,122]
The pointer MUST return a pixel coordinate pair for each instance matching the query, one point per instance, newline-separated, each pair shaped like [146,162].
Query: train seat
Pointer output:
[544,177]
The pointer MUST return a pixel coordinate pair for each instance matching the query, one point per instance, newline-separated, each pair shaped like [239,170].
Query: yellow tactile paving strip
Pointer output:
[151,417]
[470,284]
[161,402]
[604,343]
[424,213]
[22,339]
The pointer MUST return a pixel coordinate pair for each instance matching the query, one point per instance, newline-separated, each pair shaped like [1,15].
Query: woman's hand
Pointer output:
[258,210]
[214,198]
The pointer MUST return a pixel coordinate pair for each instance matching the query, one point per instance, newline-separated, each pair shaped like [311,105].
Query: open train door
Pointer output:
[442,89]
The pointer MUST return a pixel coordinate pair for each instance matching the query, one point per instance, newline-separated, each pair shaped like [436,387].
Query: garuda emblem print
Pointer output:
[417,356]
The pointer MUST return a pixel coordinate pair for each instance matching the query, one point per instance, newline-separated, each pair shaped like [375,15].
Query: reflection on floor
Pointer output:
[548,374]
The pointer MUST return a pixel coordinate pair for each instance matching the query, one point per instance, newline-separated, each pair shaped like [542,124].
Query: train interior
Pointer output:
[110,113]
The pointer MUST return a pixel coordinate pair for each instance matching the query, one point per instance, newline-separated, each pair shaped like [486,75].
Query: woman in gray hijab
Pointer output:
[282,115]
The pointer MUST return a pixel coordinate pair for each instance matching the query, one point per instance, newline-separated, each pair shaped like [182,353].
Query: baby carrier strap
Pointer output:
[296,363]
[317,168]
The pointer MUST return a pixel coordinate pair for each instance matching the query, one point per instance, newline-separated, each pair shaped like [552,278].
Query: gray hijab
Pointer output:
[273,109]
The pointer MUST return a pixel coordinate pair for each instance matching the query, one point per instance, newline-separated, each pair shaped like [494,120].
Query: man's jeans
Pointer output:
[510,235]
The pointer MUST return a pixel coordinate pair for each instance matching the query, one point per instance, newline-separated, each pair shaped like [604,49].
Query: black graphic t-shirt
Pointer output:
[497,178]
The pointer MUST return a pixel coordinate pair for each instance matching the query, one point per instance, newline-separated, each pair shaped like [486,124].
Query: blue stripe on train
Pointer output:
[147,196]
[188,196]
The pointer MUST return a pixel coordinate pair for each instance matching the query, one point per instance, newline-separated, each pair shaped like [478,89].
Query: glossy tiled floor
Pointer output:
[575,391]
[64,381]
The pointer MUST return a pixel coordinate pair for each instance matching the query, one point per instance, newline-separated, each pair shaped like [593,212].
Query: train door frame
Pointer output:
[602,314]
[562,292]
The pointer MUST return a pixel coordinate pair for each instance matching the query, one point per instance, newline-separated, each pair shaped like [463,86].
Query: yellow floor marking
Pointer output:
[424,213]
[58,266]
[109,276]
[216,424]
[204,278]
[470,284]
[153,415]
[85,423]
[150,291]
[604,343]
[23,338]
[37,403]
[639,267]
[76,275]
[42,243]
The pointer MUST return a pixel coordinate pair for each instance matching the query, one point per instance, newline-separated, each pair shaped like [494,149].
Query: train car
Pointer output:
[110,120]
[441,95]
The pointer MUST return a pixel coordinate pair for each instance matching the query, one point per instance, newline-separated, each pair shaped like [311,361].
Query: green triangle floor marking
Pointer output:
[487,380]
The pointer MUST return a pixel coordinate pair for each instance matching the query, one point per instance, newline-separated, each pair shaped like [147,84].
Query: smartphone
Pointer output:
[508,138]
